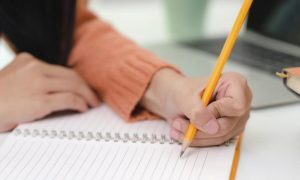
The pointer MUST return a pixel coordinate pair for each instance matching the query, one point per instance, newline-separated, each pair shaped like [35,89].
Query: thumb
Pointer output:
[204,119]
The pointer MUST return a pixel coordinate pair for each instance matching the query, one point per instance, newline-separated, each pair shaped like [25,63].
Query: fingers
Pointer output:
[76,86]
[64,101]
[180,124]
[226,126]
[178,136]
[7,127]
[201,140]
[54,78]
[233,96]
[203,119]
[222,119]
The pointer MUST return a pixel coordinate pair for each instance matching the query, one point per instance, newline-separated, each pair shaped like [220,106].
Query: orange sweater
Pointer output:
[115,67]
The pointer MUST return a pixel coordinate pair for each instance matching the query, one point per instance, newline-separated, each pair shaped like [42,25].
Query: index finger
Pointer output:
[234,101]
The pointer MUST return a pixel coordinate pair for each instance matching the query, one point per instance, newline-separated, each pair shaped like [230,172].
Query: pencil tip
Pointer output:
[181,153]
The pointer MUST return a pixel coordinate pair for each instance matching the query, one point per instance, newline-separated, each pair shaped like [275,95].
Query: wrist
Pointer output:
[162,85]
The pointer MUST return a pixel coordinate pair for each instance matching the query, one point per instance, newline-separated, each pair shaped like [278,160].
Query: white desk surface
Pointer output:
[271,145]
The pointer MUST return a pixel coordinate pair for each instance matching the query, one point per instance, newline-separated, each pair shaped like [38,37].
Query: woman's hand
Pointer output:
[31,89]
[177,99]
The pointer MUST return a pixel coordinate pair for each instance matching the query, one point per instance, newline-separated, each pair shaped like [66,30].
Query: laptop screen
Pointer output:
[278,19]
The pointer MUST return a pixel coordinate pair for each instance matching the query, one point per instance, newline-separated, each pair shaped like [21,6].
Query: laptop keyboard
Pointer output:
[249,54]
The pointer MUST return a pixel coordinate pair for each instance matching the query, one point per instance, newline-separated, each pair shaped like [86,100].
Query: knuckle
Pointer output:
[239,108]
[71,99]
[24,56]
[32,65]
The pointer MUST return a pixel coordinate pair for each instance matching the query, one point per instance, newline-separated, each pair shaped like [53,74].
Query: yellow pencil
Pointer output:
[226,51]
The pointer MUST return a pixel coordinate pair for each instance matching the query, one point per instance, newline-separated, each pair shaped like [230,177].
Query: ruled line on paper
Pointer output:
[183,168]
[93,162]
[11,159]
[46,160]
[38,161]
[143,173]
[110,163]
[120,163]
[8,151]
[166,164]
[29,159]
[9,156]
[57,160]
[157,164]
[194,165]
[17,160]
[77,157]
[142,157]
[101,164]
[203,165]
[83,162]
[174,167]
[49,158]
[124,171]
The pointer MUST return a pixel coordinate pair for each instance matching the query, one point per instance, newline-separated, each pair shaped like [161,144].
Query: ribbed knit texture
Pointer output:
[115,67]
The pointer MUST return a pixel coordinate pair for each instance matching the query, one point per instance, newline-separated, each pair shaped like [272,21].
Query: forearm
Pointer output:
[161,88]
[115,67]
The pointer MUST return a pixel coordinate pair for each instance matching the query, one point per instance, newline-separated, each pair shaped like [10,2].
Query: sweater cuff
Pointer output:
[129,82]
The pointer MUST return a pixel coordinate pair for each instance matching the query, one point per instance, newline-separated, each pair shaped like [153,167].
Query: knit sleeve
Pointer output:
[114,66]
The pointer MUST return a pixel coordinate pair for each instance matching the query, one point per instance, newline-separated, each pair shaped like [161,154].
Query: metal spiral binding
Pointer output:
[96,136]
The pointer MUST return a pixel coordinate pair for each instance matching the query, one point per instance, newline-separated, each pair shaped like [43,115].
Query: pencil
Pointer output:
[225,53]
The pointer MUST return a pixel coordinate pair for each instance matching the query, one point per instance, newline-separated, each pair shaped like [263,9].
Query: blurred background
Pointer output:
[149,21]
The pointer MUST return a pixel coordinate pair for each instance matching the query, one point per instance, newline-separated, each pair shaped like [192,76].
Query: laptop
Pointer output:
[270,43]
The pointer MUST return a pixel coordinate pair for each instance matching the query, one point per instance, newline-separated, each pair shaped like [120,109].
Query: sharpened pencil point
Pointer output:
[181,153]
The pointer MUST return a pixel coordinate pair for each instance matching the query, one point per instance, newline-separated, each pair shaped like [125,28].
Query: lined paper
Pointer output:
[34,158]
[26,156]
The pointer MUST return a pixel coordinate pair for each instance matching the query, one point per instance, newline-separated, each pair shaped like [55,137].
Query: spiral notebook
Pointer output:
[100,145]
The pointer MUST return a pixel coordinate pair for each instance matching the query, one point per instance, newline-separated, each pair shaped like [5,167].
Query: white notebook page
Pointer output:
[101,119]
[28,157]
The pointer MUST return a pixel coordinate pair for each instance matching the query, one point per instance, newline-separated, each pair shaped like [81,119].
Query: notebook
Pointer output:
[99,144]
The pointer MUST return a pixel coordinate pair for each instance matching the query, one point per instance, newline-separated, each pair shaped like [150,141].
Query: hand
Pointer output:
[177,99]
[31,89]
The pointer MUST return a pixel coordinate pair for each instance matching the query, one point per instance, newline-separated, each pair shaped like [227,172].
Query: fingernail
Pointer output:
[211,127]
